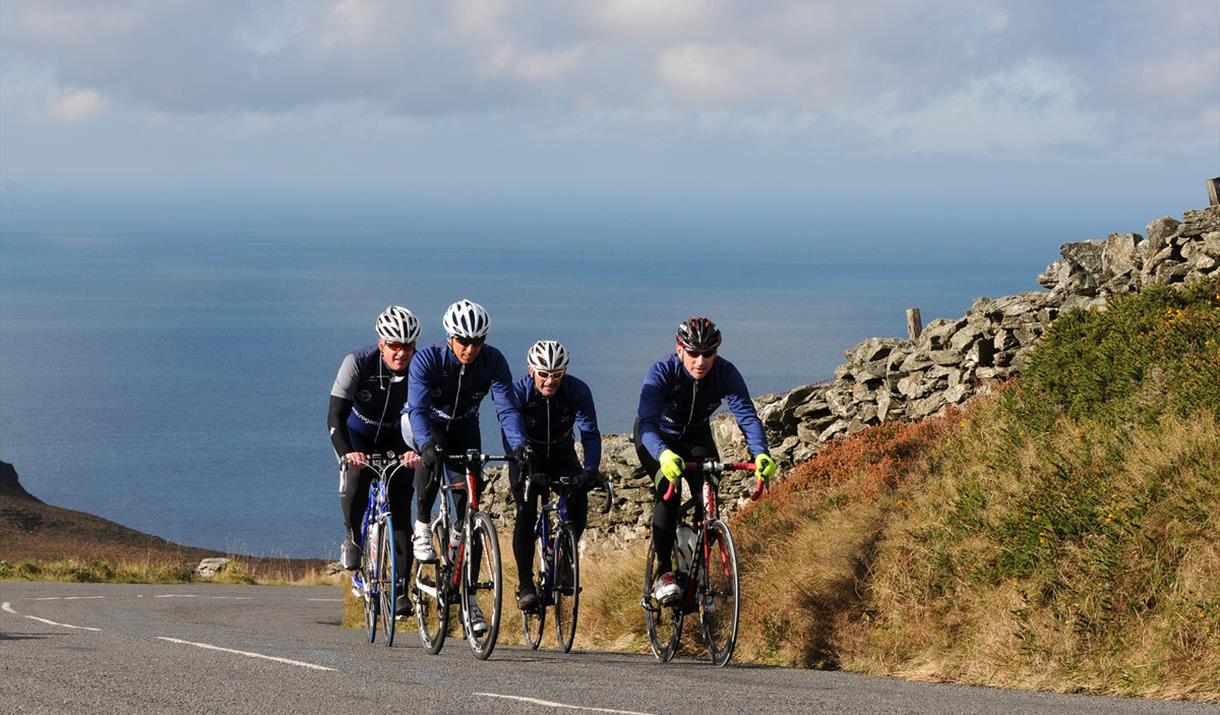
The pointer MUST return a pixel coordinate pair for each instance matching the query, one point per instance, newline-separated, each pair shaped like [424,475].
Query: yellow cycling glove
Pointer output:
[672,464]
[764,466]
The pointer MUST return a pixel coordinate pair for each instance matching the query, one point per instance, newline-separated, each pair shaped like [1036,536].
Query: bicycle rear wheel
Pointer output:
[720,594]
[567,586]
[664,622]
[534,619]
[431,596]
[387,580]
[368,577]
[482,584]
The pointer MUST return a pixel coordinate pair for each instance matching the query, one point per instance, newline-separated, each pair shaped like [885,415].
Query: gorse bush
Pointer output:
[1147,353]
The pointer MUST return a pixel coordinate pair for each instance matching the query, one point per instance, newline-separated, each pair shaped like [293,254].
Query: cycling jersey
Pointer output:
[549,420]
[377,396]
[674,404]
[443,392]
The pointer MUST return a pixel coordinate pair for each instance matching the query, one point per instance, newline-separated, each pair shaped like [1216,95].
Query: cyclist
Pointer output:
[368,394]
[552,402]
[447,382]
[678,397]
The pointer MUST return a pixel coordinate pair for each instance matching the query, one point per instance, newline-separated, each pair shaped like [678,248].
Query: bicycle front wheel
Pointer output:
[567,586]
[482,586]
[534,619]
[387,580]
[664,622]
[720,595]
[430,593]
[368,577]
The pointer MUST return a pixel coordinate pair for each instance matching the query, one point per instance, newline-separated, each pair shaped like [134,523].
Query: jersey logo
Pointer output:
[364,396]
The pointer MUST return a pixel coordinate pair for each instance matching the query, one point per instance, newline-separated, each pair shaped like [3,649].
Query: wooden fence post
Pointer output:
[914,324]
[1213,191]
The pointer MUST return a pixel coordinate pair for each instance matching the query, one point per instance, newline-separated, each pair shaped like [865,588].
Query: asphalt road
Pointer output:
[87,648]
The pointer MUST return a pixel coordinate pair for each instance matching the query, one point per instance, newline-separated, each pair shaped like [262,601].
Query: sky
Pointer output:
[933,106]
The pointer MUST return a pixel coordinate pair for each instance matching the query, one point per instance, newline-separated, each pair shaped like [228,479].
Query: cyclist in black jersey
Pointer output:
[363,418]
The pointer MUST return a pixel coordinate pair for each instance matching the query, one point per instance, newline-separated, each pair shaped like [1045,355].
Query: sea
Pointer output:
[169,367]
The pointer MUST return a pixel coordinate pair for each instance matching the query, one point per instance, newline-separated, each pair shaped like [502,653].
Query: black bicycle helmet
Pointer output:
[698,333]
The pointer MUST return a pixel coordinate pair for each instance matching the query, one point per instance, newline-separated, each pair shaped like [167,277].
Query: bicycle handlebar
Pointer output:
[716,468]
[543,480]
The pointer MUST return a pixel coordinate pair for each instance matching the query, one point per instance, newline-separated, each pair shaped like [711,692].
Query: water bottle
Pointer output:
[455,541]
[684,543]
[373,542]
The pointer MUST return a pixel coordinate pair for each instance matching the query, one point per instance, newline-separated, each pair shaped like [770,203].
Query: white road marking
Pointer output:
[233,598]
[246,653]
[64,598]
[177,595]
[549,704]
[9,609]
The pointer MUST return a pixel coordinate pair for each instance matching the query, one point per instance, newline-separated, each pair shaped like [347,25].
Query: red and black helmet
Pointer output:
[698,333]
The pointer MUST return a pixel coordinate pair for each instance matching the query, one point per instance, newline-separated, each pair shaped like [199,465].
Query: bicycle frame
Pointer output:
[546,535]
[377,512]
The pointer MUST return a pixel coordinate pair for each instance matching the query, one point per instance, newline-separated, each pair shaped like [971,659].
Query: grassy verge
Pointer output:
[240,570]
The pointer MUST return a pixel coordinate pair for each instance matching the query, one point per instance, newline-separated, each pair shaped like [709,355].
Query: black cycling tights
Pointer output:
[665,513]
[527,513]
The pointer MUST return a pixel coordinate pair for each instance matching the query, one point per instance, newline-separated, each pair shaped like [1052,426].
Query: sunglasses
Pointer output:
[467,342]
[396,347]
[700,353]
[544,375]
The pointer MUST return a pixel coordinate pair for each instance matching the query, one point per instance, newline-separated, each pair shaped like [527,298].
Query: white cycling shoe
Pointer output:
[667,590]
[421,543]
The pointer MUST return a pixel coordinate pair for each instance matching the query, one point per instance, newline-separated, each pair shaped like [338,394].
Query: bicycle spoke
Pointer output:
[534,620]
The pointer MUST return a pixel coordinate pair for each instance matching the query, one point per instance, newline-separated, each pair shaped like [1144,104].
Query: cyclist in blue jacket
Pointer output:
[552,402]
[446,384]
[368,394]
[679,395]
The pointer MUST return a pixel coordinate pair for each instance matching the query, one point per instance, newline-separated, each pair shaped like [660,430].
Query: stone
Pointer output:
[1160,232]
[964,338]
[1056,273]
[1084,255]
[812,410]
[955,394]
[912,386]
[915,362]
[208,568]
[839,427]
[869,350]
[1118,256]
[1172,272]
[1211,244]
[883,405]
[869,414]
[927,406]
[1005,340]
[937,332]
[1197,223]
[945,357]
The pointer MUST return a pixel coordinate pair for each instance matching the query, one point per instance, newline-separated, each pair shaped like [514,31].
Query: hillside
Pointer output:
[41,540]
[1063,534]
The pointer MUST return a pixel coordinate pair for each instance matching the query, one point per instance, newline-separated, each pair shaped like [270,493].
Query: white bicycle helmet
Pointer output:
[548,355]
[396,324]
[465,319]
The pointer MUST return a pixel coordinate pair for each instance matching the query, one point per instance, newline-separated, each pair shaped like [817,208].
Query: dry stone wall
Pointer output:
[887,379]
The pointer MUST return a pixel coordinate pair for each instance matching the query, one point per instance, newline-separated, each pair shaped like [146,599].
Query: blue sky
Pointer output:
[925,106]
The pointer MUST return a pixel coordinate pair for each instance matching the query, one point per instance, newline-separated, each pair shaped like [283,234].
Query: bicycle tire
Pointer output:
[567,586]
[664,622]
[430,593]
[487,594]
[533,621]
[387,580]
[720,594]
[368,576]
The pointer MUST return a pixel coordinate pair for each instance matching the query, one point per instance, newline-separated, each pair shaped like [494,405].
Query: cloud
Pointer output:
[75,105]
[1129,71]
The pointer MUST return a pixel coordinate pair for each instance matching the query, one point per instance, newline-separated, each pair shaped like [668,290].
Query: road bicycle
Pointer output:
[556,560]
[705,566]
[376,581]
[467,568]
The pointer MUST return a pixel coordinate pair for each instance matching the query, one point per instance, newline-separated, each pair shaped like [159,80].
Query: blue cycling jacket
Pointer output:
[549,420]
[442,391]
[673,403]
